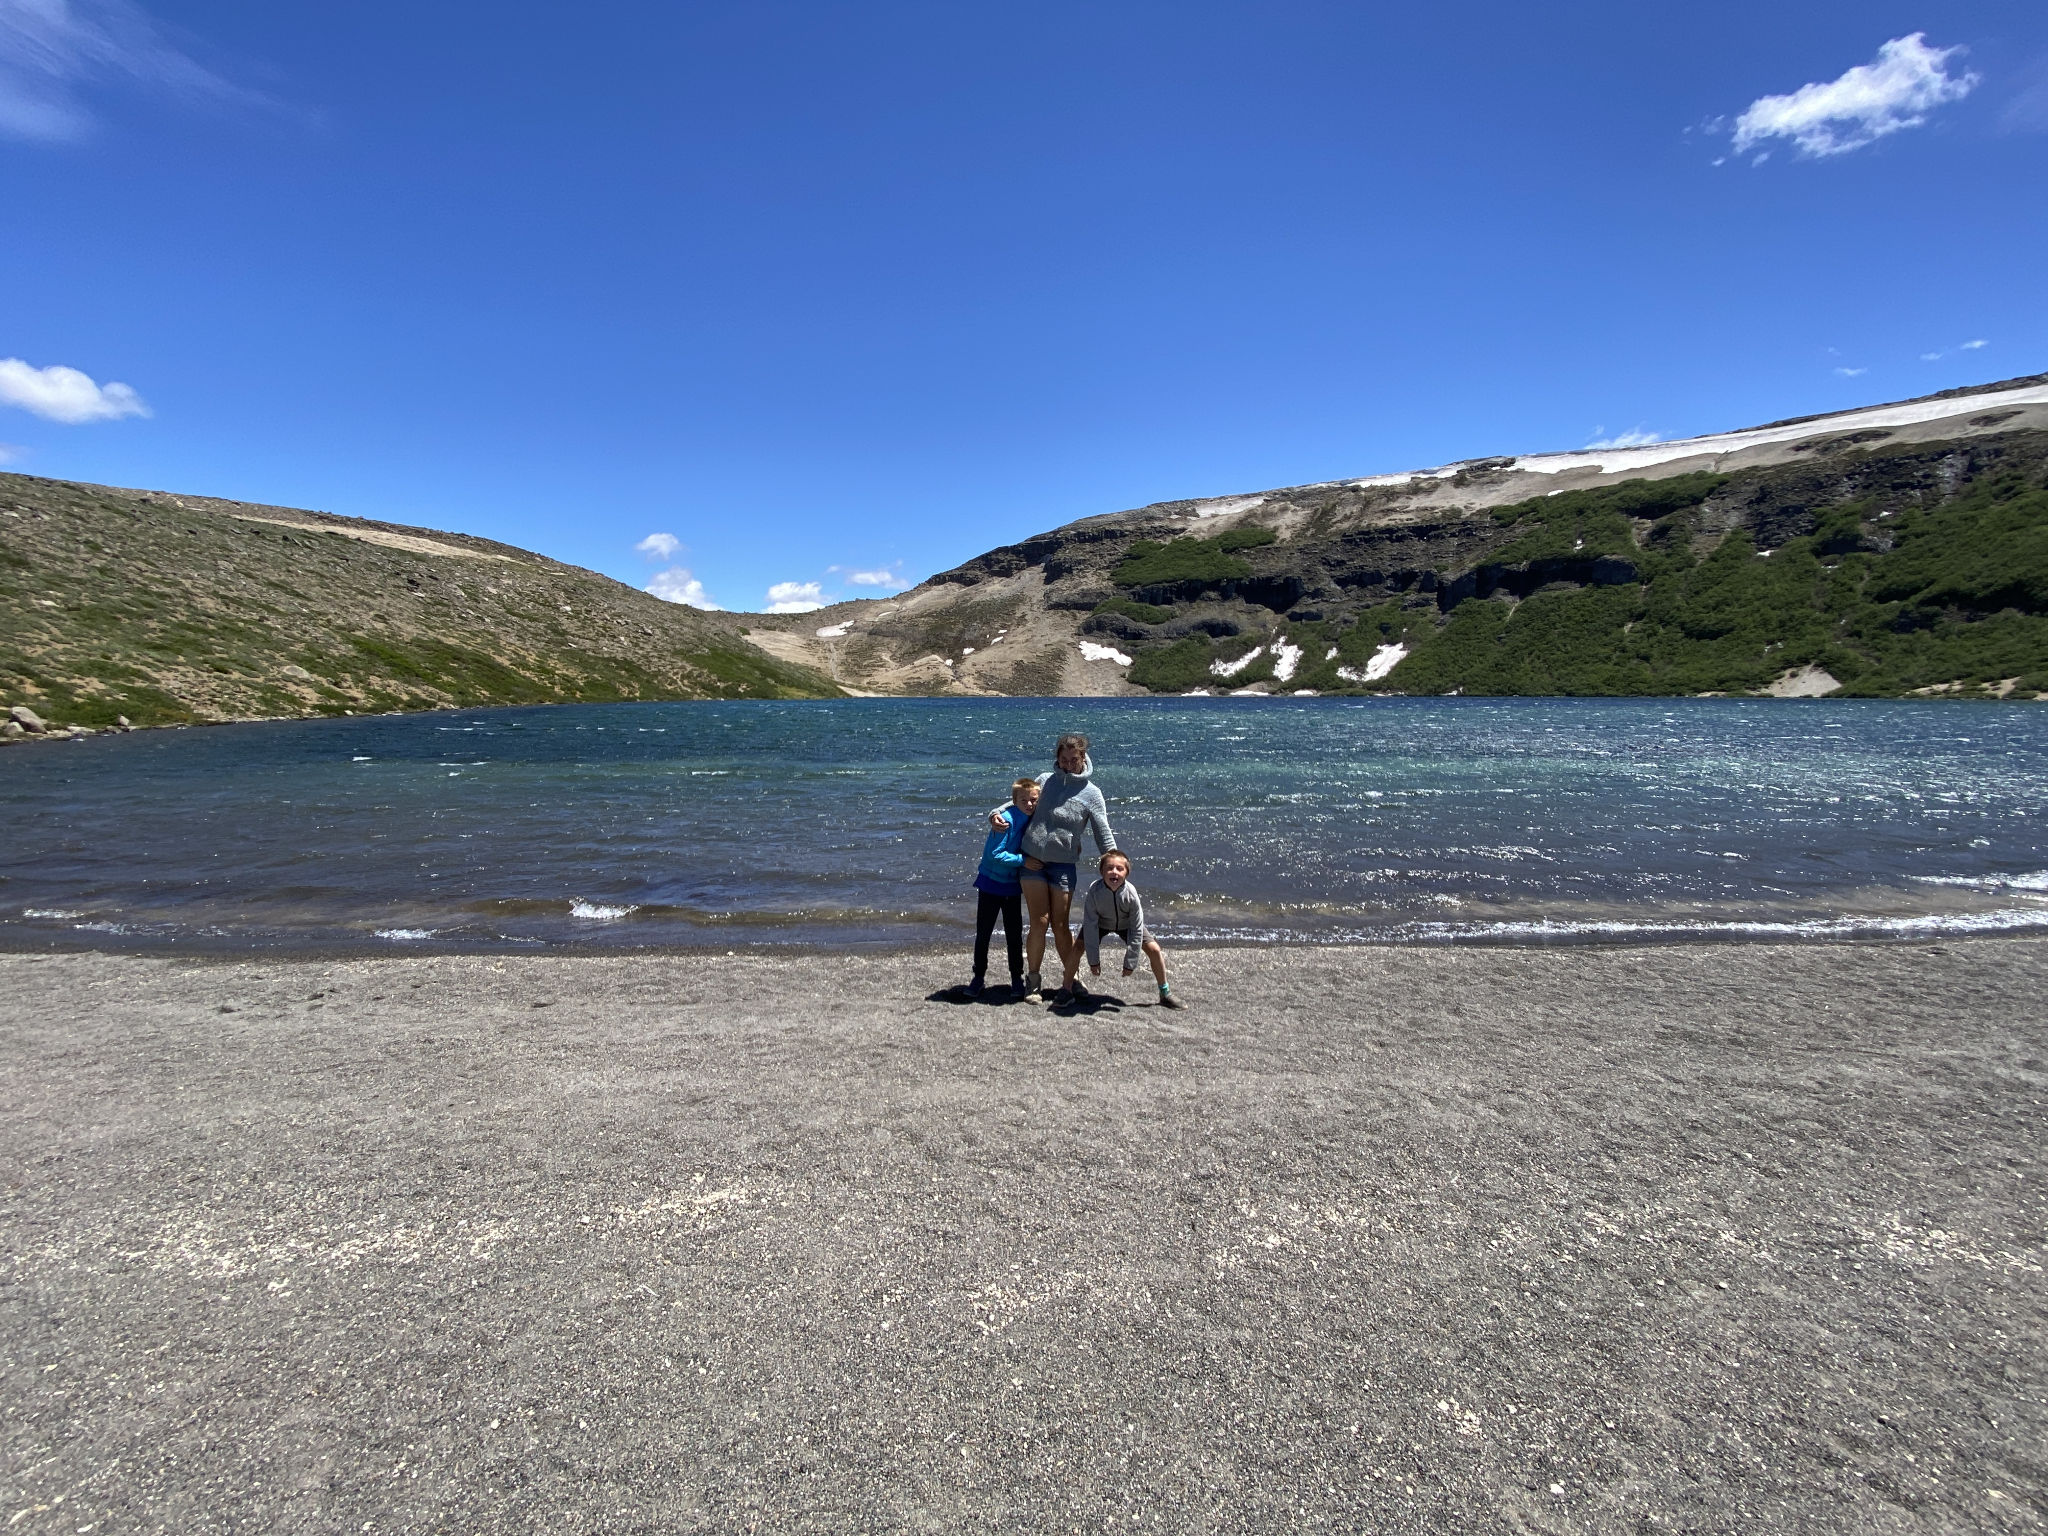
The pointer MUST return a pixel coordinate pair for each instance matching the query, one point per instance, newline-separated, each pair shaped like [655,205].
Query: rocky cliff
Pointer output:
[164,609]
[1893,550]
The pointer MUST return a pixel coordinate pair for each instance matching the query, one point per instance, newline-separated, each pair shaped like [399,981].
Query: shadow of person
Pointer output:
[992,996]
[1089,1003]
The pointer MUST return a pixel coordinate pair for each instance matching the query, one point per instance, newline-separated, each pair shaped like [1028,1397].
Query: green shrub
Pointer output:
[1131,608]
[1245,538]
[1182,560]
[1174,668]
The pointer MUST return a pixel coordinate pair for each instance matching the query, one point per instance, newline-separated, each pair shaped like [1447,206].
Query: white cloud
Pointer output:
[886,578]
[659,546]
[49,49]
[1636,437]
[795,597]
[65,394]
[1896,90]
[1971,346]
[9,452]
[1852,373]
[676,585]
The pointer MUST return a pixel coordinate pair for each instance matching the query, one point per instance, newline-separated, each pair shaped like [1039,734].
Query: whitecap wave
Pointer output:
[1553,930]
[57,912]
[2036,881]
[600,914]
[404,934]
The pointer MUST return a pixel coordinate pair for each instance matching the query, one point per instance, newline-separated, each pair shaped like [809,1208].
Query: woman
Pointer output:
[1068,804]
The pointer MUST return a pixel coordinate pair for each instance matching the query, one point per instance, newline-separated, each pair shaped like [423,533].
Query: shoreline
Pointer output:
[1855,931]
[1405,1239]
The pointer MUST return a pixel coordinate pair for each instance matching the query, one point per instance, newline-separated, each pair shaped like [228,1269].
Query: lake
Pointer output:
[858,823]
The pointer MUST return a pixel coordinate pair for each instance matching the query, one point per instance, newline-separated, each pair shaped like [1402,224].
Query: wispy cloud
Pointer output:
[64,394]
[1636,437]
[795,597]
[889,578]
[52,51]
[1969,346]
[1852,373]
[1896,90]
[9,452]
[677,585]
[659,546]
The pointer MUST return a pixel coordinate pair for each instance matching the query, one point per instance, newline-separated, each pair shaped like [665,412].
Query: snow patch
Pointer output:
[1382,661]
[1232,668]
[835,631]
[1285,658]
[1090,651]
[1225,506]
[1610,461]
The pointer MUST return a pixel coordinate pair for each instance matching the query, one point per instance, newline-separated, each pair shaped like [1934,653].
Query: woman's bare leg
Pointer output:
[1070,947]
[1034,946]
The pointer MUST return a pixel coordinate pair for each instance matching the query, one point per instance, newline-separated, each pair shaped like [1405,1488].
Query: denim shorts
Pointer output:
[1060,877]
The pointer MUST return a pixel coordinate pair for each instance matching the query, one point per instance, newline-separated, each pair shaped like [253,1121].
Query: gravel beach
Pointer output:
[1634,1239]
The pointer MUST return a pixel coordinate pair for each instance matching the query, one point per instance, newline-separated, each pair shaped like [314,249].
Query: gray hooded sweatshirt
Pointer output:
[1068,804]
[1114,912]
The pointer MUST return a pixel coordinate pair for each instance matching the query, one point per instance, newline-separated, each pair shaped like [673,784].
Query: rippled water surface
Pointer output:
[859,821]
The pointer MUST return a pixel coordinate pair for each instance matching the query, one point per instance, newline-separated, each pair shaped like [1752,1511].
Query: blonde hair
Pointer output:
[1021,785]
[1115,853]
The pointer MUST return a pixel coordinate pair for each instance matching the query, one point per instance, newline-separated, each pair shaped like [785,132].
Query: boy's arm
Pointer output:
[1091,930]
[1131,950]
[1005,858]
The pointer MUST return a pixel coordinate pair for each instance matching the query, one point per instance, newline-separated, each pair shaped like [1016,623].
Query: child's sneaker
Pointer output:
[1168,1000]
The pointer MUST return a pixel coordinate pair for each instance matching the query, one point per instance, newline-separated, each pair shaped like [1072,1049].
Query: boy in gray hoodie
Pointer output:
[1112,906]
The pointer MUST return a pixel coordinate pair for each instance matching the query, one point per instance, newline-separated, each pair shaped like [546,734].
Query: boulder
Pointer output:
[122,722]
[12,731]
[27,718]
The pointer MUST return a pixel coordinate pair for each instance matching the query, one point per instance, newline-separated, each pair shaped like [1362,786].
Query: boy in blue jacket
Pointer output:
[1002,891]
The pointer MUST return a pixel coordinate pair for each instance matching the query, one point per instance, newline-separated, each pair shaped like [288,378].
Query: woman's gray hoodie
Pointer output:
[1067,804]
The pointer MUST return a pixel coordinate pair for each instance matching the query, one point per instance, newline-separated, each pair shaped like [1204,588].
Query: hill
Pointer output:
[1898,549]
[168,609]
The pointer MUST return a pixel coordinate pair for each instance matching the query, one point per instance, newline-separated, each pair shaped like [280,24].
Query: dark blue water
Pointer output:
[859,821]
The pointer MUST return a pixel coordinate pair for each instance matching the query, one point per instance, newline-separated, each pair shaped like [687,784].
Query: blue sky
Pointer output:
[818,290]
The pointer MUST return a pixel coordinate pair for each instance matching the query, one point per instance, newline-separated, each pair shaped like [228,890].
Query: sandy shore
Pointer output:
[1688,1239]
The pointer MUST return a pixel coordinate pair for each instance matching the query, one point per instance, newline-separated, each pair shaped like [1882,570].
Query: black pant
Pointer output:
[1011,910]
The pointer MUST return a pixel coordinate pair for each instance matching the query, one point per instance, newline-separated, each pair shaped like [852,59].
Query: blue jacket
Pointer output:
[1002,861]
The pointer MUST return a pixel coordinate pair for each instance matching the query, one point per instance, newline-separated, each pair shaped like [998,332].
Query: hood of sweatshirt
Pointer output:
[1087,772]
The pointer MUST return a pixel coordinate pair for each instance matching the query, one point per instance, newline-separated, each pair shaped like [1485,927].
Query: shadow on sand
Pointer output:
[1087,1003]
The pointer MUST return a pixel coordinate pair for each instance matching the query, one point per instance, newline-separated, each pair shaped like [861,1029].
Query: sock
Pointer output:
[1162,989]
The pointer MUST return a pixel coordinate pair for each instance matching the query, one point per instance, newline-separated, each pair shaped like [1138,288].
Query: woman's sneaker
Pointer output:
[1063,997]
[1031,984]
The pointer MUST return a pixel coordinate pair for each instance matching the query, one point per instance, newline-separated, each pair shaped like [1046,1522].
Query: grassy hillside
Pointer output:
[1896,571]
[167,609]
